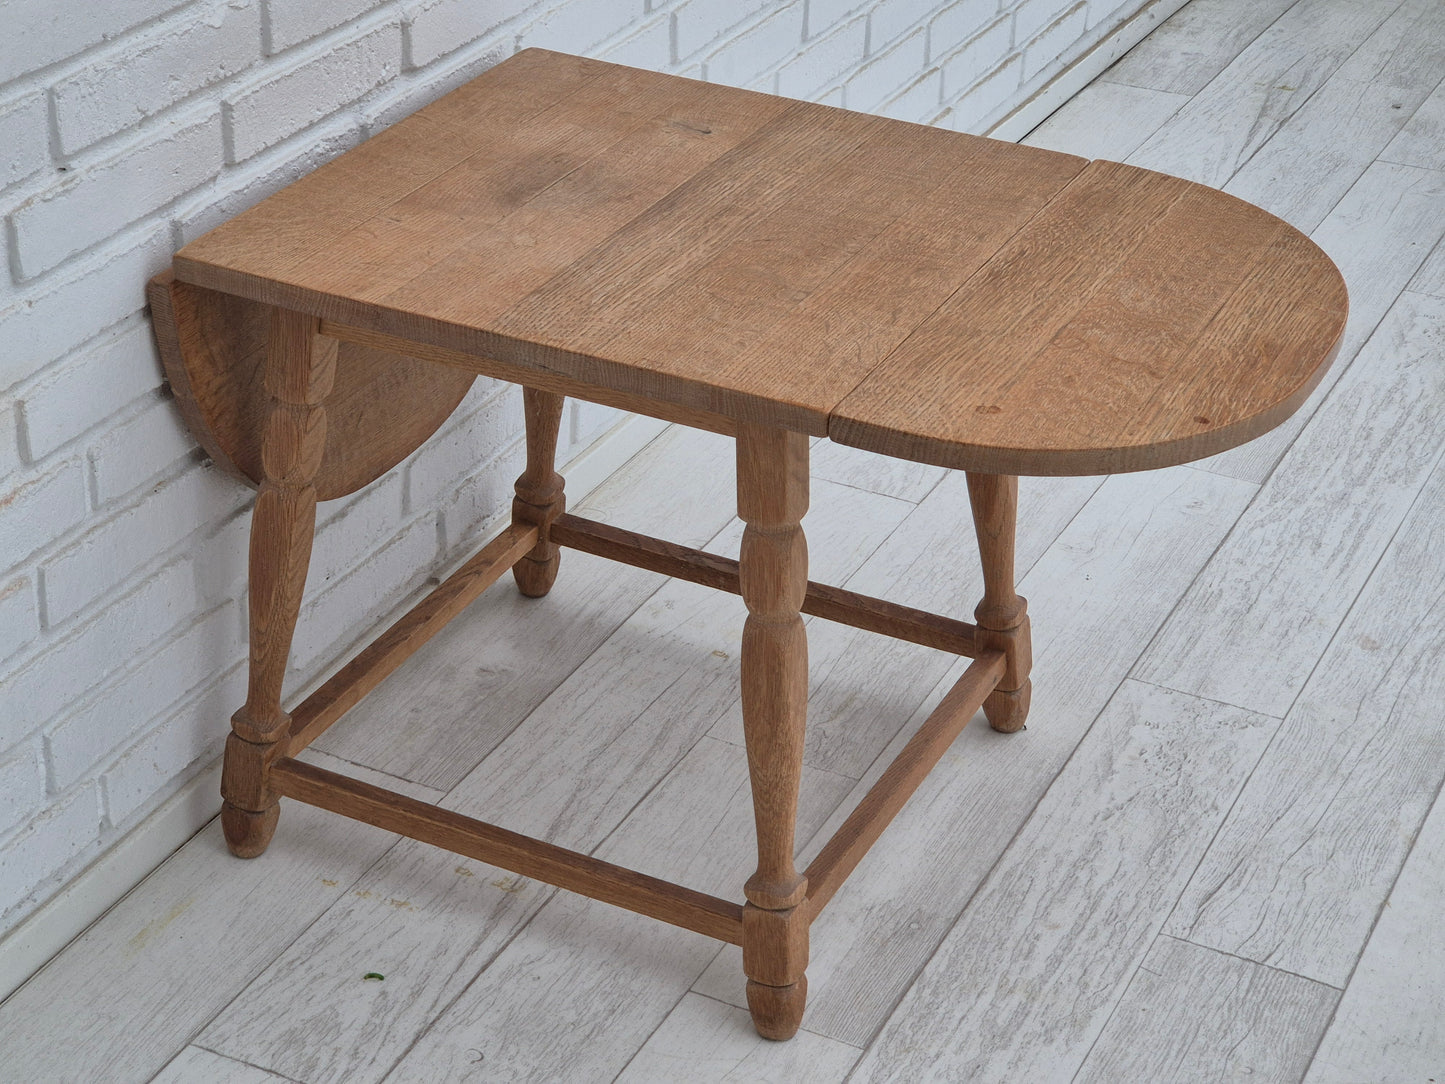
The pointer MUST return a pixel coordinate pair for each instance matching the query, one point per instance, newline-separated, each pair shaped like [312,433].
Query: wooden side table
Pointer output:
[759,267]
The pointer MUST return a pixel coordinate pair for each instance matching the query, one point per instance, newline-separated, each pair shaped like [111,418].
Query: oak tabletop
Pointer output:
[922,293]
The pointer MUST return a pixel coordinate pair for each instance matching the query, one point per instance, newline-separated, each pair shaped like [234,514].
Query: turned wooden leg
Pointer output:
[772,498]
[300,367]
[1002,616]
[539,498]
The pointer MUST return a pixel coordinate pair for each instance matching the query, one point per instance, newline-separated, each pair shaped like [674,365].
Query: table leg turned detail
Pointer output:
[300,368]
[1002,616]
[773,572]
[540,498]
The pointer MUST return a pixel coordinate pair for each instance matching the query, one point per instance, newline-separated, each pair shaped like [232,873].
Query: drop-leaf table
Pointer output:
[769,269]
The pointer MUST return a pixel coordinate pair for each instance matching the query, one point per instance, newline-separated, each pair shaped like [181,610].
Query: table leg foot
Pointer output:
[777,1011]
[540,498]
[1008,710]
[248,833]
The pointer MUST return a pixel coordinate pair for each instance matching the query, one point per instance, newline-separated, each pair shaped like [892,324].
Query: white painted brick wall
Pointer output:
[139,76]
[131,126]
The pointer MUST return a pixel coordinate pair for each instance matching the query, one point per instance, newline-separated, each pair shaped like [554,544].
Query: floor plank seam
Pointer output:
[662,1020]
[549,894]
[238,1061]
[1426,475]
[1310,97]
[1256,963]
[1204,565]
[1379,913]
[436,791]
[1234,802]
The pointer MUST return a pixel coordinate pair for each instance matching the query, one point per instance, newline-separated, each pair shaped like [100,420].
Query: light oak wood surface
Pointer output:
[896,287]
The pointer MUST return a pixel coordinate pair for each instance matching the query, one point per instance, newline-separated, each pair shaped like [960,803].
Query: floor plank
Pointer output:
[1387,1026]
[1430,279]
[704,1041]
[1253,626]
[141,981]
[196,1065]
[1194,1014]
[875,473]
[1378,235]
[612,976]
[1106,120]
[1317,155]
[1212,136]
[1422,141]
[1298,872]
[1097,596]
[1047,946]
[451,703]
[1186,51]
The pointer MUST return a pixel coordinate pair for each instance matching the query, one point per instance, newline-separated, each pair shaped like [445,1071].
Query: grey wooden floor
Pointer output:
[1216,852]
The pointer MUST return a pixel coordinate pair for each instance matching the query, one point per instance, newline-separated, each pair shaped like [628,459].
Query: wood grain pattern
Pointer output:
[643,238]
[846,848]
[1194,1014]
[544,380]
[1304,169]
[1260,89]
[195,1065]
[1297,874]
[875,473]
[300,370]
[993,386]
[1377,234]
[450,705]
[1002,615]
[773,575]
[284,229]
[1418,143]
[1108,848]
[1106,119]
[1430,279]
[540,493]
[133,990]
[382,407]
